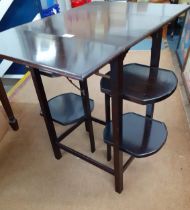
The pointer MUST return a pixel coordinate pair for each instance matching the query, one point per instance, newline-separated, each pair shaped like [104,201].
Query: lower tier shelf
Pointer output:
[141,136]
[67,108]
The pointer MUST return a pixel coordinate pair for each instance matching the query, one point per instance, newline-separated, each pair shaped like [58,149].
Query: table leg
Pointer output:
[117,107]
[7,107]
[86,104]
[154,62]
[107,112]
[156,48]
[83,101]
[45,110]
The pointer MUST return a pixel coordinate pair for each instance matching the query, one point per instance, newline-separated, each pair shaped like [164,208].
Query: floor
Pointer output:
[9,83]
[31,178]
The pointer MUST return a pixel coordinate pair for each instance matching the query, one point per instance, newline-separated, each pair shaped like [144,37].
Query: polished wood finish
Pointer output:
[156,48]
[117,108]
[73,46]
[45,45]
[7,107]
[87,111]
[143,84]
[64,109]
[67,108]
[70,108]
[107,112]
[141,137]
[37,80]
[165,28]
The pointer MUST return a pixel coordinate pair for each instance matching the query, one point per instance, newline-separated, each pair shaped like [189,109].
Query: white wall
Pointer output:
[64,4]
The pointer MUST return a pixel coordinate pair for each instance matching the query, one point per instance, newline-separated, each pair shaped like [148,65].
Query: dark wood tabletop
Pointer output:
[80,41]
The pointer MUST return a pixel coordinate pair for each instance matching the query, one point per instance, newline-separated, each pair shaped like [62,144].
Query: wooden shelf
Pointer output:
[142,136]
[144,85]
[67,108]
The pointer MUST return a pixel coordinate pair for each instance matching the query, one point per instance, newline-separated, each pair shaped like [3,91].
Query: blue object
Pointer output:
[145,44]
[50,11]
[17,14]
[48,7]
[173,42]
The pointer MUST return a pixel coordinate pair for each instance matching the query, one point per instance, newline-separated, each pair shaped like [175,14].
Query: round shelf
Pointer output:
[141,137]
[144,85]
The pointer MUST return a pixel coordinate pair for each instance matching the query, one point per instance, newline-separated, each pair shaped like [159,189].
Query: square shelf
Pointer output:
[67,108]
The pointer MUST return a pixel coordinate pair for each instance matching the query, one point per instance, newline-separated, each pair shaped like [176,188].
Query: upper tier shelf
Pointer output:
[143,84]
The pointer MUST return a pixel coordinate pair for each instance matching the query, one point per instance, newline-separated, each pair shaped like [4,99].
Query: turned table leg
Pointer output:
[7,107]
